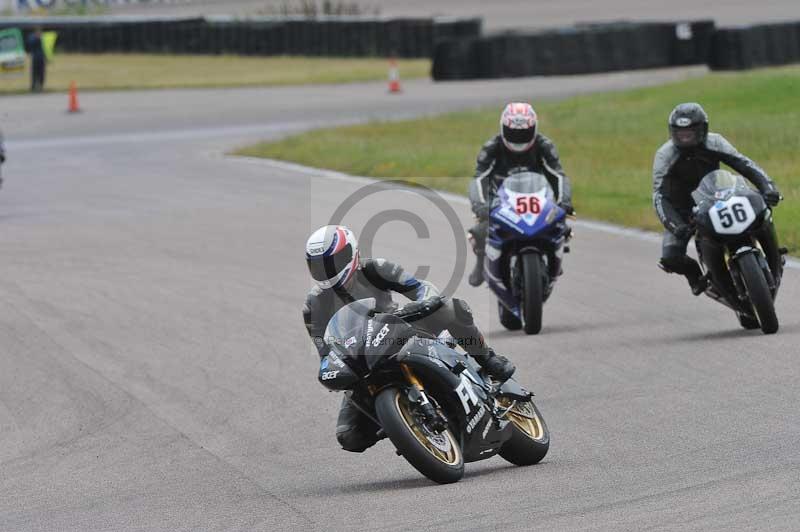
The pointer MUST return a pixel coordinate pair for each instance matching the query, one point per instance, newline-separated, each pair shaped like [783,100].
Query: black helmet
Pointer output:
[688,125]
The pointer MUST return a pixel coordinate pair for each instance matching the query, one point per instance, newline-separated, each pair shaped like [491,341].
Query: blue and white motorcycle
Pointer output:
[524,249]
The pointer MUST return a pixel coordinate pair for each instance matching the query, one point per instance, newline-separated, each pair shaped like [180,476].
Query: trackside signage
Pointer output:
[30,5]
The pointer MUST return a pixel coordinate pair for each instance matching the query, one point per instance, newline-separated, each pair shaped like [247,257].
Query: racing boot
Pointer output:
[476,276]
[477,239]
[497,366]
[697,282]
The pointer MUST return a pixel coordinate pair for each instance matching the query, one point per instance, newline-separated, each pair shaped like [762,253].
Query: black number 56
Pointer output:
[739,214]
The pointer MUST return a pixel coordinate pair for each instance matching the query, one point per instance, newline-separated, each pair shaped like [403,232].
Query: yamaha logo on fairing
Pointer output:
[475,419]
[370,329]
[381,335]
[335,360]
[486,430]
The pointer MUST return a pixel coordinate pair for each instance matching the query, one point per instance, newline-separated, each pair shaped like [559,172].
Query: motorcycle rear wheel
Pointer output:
[530,440]
[532,292]
[760,296]
[437,456]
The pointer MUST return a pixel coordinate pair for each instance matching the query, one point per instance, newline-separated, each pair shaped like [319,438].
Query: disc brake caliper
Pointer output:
[432,418]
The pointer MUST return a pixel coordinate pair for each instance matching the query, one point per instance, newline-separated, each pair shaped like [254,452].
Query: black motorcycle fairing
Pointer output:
[712,256]
[513,390]
[465,395]
[706,228]
[362,338]
[335,374]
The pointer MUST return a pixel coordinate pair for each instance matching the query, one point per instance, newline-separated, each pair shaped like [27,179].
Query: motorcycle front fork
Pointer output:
[417,395]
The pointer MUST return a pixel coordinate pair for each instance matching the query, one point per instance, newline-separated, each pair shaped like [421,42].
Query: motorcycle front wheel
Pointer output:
[532,292]
[437,456]
[758,291]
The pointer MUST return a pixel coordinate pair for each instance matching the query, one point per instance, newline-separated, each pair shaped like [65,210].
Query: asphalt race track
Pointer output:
[155,373]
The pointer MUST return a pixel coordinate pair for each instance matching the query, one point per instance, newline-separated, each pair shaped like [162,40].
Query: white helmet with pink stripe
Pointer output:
[518,126]
[332,256]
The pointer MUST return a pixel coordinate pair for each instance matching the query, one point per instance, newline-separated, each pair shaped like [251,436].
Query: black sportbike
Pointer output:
[434,403]
[738,248]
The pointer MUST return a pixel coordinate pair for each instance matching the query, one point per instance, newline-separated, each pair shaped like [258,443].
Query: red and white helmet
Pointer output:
[332,255]
[518,126]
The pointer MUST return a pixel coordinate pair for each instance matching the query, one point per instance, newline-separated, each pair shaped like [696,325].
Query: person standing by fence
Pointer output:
[38,60]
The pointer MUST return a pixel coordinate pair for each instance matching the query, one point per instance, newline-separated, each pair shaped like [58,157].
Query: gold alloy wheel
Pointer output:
[524,417]
[442,446]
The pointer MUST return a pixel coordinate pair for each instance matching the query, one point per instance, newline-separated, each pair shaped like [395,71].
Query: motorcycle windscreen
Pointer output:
[386,334]
[362,337]
[346,331]
[720,185]
[726,204]
[529,183]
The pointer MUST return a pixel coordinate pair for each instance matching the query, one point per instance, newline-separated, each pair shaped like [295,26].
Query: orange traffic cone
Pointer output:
[73,99]
[394,77]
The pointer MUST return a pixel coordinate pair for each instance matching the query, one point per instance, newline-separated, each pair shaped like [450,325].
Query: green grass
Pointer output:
[143,71]
[607,142]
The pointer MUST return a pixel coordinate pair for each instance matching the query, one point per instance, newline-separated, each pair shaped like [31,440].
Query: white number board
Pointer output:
[732,217]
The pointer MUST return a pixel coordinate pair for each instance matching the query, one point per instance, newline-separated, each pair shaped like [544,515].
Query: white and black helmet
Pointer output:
[332,256]
[518,126]
[688,125]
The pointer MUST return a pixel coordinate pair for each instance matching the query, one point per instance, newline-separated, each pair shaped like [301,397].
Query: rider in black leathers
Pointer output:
[332,256]
[518,147]
[680,164]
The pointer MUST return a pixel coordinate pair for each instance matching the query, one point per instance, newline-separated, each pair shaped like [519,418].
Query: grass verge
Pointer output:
[144,71]
[607,142]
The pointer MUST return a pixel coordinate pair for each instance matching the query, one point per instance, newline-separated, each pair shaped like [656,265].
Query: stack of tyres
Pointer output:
[692,42]
[755,46]
[577,50]
[365,40]
[392,36]
[461,59]
[726,50]
[324,36]
[448,29]
[783,43]
[421,42]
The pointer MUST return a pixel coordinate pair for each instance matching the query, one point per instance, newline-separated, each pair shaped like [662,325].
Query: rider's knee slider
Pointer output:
[463,312]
